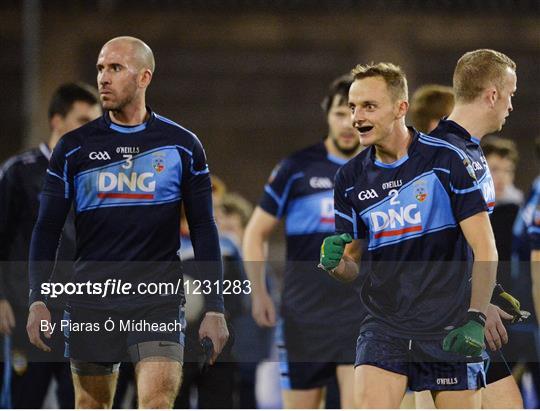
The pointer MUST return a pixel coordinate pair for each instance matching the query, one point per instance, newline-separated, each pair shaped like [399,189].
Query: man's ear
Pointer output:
[55,122]
[490,96]
[145,78]
[402,108]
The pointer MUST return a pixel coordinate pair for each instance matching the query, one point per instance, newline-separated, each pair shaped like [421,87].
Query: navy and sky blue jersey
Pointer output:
[127,185]
[409,213]
[526,232]
[300,190]
[526,227]
[21,180]
[453,133]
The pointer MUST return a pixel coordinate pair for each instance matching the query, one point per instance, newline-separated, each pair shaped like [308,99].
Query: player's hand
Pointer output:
[495,331]
[509,304]
[469,338]
[263,309]
[7,318]
[332,250]
[37,314]
[214,327]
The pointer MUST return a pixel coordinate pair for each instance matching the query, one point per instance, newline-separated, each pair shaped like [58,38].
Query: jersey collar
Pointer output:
[456,129]
[129,129]
[403,159]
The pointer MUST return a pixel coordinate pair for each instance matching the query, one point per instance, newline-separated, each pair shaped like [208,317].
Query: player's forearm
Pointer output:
[206,248]
[255,251]
[535,276]
[45,238]
[204,237]
[484,277]
[348,270]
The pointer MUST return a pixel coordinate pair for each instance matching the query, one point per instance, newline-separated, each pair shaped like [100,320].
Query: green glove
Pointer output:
[469,338]
[332,250]
[510,304]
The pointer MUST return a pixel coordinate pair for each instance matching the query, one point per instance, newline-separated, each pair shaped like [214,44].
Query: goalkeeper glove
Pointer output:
[332,250]
[510,304]
[469,338]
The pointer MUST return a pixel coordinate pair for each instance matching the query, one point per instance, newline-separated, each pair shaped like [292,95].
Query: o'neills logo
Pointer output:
[447,381]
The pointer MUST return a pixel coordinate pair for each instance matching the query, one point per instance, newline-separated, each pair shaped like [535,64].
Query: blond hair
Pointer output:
[479,69]
[392,74]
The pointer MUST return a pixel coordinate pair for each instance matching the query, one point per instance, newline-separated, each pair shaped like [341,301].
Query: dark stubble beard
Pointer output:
[119,106]
[344,150]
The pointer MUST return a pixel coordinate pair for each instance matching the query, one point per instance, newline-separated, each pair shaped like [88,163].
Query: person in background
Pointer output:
[217,386]
[429,104]
[526,287]
[319,316]
[21,179]
[253,343]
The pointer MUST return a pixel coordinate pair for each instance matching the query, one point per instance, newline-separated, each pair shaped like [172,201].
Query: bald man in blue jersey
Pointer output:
[127,174]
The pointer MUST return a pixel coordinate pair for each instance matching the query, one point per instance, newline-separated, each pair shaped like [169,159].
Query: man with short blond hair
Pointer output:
[484,83]
[403,200]
[480,69]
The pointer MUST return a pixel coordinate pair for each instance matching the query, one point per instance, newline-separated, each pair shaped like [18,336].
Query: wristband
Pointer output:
[477,316]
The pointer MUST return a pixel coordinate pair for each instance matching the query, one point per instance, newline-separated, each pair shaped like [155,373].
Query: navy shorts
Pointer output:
[426,365]
[496,366]
[309,355]
[107,336]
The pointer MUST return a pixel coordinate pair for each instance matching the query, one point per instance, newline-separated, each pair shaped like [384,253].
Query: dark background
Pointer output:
[248,76]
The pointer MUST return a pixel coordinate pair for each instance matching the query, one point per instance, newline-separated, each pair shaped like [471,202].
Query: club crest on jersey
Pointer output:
[158,163]
[469,167]
[420,190]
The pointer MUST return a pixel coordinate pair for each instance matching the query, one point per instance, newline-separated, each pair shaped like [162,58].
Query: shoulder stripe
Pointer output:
[283,199]
[444,170]
[172,123]
[441,143]
[464,191]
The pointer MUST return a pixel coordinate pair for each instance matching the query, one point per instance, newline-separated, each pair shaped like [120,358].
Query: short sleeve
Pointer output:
[278,188]
[347,220]
[465,192]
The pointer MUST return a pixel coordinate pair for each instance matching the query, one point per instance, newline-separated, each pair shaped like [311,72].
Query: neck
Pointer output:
[130,115]
[469,117]
[333,150]
[395,146]
[53,140]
